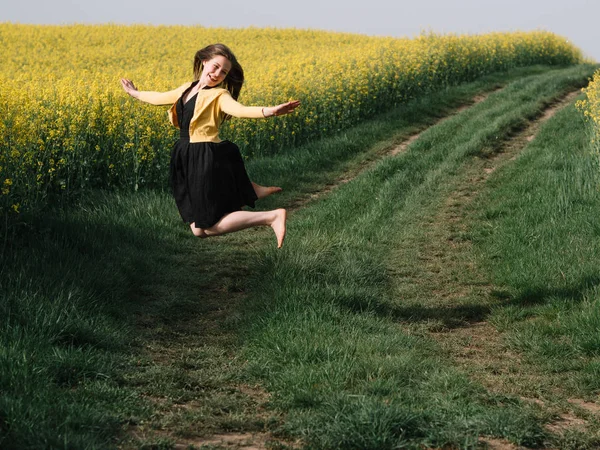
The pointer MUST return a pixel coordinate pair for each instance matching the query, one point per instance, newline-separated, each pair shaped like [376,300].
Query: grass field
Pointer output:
[445,296]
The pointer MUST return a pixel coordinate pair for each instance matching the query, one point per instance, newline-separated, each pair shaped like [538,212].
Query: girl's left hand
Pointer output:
[285,108]
[129,87]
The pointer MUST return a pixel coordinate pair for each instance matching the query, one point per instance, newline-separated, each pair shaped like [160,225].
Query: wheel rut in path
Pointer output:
[389,151]
[462,296]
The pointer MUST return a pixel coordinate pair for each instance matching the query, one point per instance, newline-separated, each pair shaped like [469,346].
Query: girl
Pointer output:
[207,175]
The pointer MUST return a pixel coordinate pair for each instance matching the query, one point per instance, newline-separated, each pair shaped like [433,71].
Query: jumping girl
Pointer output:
[207,175]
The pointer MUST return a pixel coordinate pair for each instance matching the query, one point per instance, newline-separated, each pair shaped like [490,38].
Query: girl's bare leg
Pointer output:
[264,191]
[240,220]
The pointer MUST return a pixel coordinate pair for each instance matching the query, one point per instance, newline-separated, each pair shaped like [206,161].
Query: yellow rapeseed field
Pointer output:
[591,109]
[67,125]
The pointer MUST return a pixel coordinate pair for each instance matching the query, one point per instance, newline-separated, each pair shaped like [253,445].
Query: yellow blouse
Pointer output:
[211,107]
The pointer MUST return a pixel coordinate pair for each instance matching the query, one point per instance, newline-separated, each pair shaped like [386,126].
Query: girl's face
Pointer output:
[215,70]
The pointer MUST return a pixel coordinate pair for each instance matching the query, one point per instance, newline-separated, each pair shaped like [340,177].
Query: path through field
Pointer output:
[451,282]
[211,330]
[446,276]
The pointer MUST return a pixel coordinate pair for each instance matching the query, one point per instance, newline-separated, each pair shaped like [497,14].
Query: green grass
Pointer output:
[322,327]
[119,328]
[538,234]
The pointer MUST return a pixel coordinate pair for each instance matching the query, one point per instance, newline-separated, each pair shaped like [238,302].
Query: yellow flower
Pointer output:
[590,107]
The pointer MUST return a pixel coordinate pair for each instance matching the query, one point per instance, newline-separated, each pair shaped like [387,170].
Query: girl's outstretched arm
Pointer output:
[154,98]
[230,106]
[280,110]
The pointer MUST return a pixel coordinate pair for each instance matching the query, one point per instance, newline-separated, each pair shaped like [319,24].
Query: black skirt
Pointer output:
[208,179]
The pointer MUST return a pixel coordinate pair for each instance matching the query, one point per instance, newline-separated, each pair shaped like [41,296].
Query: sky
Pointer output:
[576,20]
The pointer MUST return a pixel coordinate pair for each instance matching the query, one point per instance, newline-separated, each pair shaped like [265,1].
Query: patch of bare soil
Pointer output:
[187,371]
[497,444]
[566,421]
[246,441]
[590,407]
[241,441]
[577,419]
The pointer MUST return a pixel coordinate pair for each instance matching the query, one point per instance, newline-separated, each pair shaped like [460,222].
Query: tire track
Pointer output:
[447,258]
[388,152]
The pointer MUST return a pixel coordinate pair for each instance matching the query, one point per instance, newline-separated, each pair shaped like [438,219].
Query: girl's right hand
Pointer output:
[286,108]
[129,87]
[280,110]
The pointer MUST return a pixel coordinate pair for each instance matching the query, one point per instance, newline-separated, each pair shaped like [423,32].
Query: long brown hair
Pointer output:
[235,77]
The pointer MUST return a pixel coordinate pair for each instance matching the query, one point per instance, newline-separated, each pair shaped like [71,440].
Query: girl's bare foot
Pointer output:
[265,191]
[278,226]
[198,232]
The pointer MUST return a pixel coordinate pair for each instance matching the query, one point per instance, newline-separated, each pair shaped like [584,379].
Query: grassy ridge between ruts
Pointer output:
[90,292]
[321,334]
